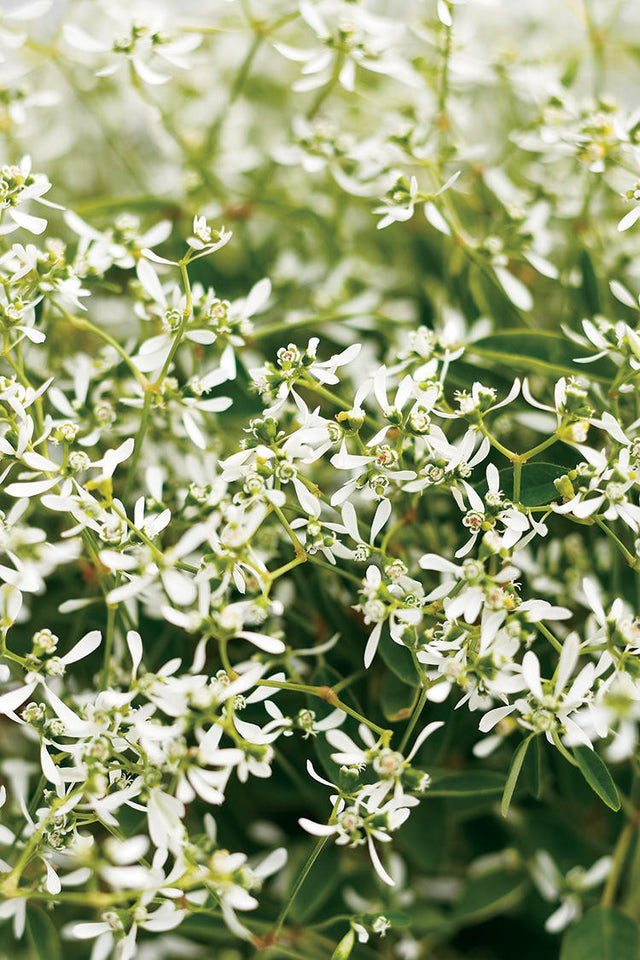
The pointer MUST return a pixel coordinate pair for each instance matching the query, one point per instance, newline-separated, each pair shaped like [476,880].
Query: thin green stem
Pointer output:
[137,448]
[509,454]
[544,630]
[414,719]
[236,89]
[108,645]
[326,90]
[443,93]
[84,324]
[280,571]
[563,750]
[597,50]
[629,557]
[301,553]
[329,695]
[517,477]
[313,856]
[534,451]
[620,854]
[156,386]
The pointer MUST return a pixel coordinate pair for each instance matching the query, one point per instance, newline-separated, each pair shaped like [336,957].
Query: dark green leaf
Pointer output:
[514,773]
[318,886]
[424,837]
[536,483]
[595,772]
[444,783]
[396,698]
[398,658]
[43,934]
[602,934]
[489,894]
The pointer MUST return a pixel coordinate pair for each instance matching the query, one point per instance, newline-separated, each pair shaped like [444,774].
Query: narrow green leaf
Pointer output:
[514,773]
[595,772]
[537,351]
[344,948]
[489,894]
[43,934]
[444,783]
[602,934]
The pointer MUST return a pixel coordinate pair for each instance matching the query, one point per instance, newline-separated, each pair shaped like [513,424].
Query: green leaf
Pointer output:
[321,881]
[424,837]
[489,894]
[43,934]
[535,351]
[602,934]
[398,659]
[344,948]
[514,773]
[444,783]
[536,483]
[595,772]
[396,698]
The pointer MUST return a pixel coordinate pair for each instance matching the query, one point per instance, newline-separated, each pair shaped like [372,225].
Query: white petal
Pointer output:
[377,864]
[381,516]
[316,829]
[531,674]
[629,219]
[372,645]
[84,647]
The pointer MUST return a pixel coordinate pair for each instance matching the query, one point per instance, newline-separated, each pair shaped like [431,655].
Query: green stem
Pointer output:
[108,645]
[544,630]
[137,448]
[629,557]
[534,451]
[326,90]
[517,476]
[509,454]
[84,324]
[561,747]
[329,696]
[224,657]
[275,574]
[443,94]
[301,553]
[155,387]
[414,719]
[597,50]
[335,569]
[313,856]
[274,328]
[236,89]
[619,858]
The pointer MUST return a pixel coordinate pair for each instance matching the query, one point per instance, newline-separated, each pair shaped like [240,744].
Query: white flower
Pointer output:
[17,186]
[145,42]
[567,888]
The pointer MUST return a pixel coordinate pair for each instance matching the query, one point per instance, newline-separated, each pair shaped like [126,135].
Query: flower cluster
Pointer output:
[320,454]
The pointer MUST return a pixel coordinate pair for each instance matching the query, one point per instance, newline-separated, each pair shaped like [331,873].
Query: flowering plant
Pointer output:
[320,463]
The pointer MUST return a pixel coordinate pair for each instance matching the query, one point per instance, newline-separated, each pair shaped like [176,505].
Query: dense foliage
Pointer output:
[320,459]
